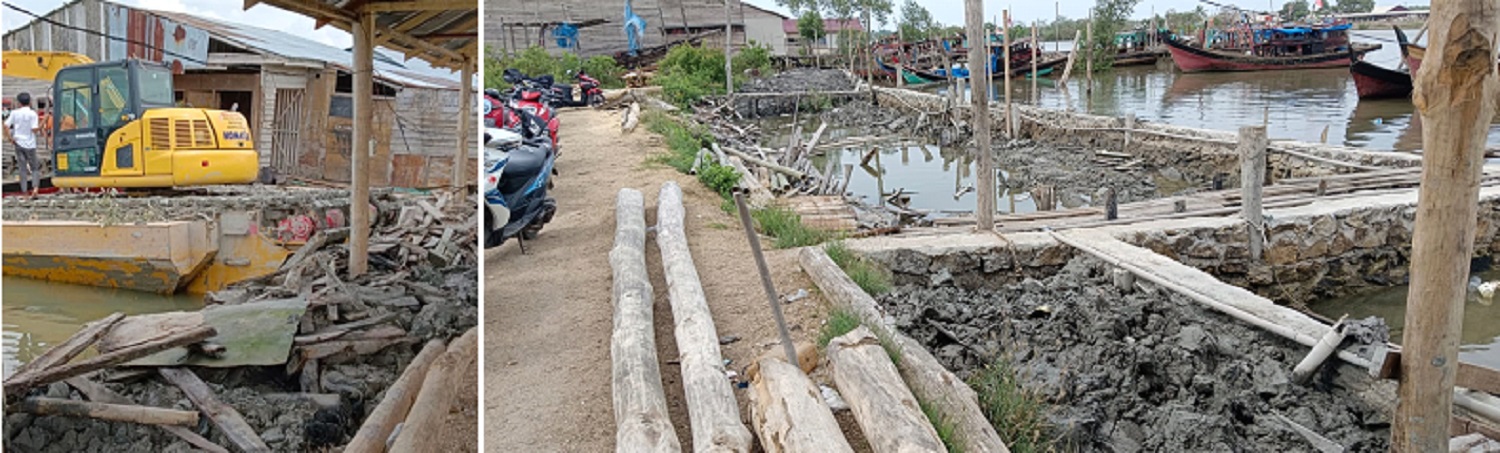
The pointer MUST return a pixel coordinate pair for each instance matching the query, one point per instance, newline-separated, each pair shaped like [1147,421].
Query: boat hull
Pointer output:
[1375,82]
[1195,59]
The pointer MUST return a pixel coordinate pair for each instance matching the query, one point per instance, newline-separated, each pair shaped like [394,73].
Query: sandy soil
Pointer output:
[548,312]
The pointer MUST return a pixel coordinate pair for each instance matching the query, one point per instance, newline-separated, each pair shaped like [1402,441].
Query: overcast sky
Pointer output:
[227,11]
[945,11]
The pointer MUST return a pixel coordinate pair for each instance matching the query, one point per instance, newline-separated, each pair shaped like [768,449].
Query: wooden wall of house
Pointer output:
[272,79]
[415,134]
[85,14]
[426,137]
[200,90]
[315,120]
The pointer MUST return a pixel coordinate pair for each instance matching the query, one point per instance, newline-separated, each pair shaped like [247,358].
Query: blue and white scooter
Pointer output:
[515,186]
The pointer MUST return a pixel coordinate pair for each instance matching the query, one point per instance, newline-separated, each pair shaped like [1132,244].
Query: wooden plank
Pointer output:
[225,417]
[102,361]
[96,392]
[107,411]
[393,407]
[65,352]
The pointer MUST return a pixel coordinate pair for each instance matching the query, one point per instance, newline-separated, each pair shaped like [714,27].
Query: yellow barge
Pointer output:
[162,244]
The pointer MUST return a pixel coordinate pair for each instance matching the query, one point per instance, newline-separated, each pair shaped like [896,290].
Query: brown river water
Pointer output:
[40,314]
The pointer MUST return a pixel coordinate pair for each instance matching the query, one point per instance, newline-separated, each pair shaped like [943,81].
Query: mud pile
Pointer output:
[1144,369]
[801,80]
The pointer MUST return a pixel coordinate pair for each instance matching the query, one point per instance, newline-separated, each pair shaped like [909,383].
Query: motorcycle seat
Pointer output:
[525,163]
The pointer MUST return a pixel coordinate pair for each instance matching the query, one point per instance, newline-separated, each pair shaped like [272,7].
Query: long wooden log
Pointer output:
[393,407]
[885,408]
[642,423]
[224,416]
[765,163]
[632,118]
[70,348]
[712,410]
[789,414]
[132,413]
[58,373]
[428,418]
[949,396]
[99,393]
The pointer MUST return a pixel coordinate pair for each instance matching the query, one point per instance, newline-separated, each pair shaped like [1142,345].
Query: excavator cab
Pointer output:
[114,124]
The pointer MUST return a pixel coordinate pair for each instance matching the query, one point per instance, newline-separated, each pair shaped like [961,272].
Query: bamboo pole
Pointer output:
[979,76]
[1088,61]
[1034,55]
[728,61]
[1454,91]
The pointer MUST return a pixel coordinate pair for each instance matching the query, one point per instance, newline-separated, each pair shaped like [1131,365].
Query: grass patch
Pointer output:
[945,429]
[1016,413]
[840,322]
[786,226]
[683,139]
[869,276]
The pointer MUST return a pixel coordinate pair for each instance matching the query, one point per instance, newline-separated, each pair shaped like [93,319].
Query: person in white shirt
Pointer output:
[20,129]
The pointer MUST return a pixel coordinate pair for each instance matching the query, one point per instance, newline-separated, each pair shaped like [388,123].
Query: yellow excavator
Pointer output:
[115,124]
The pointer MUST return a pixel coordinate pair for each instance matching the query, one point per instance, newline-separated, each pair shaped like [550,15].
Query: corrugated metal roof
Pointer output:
[295,47]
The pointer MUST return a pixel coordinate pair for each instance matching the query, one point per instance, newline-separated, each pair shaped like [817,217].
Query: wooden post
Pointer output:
[788,413]
[1010,127]
[131,413]
[461,177]
[1035,53]
[1088,61]
[900,57]
[426,420]
[728,62]
[359,155]
[1454,90]
[979,76]
[952,81]
[223,416]
[765,275]
[712,410]
[1252,150]
[1129,124]
[1111,205]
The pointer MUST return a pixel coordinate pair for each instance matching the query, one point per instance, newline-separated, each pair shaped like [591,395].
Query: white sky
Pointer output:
[944,11]
[227,11]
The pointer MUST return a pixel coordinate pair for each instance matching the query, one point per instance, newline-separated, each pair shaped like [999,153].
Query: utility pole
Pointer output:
[1454,91]
[979,112]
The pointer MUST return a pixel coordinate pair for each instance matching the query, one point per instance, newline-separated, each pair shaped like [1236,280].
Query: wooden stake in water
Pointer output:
[1034,54]
[1010,127]
[765,277]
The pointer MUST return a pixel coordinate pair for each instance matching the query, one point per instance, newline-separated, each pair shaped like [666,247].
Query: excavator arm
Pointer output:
[40,65]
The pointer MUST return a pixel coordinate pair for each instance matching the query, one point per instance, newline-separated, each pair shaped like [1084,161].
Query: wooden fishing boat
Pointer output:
[1137,47]
[1266,49]
[1412,52]
[1375,82]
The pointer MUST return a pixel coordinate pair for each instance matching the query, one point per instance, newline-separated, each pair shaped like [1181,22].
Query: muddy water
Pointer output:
[40,314]
[1480,341]
[1298,105]
[937,179]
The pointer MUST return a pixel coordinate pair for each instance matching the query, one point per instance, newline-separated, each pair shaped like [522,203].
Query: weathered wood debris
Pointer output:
[300,322]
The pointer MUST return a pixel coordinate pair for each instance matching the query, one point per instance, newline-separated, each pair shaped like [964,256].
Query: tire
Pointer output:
[530,233]
[596,99]
[491,234]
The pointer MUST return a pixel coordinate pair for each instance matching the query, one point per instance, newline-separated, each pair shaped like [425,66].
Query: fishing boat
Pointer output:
[1376,82]
[1135,48]
[1268,48]
[1412,52]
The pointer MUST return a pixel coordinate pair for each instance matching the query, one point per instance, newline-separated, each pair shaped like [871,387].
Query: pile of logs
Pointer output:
[421,248]
[766,173]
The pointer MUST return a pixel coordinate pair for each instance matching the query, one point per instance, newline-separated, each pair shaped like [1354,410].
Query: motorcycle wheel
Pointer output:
[596,100]
[530,233]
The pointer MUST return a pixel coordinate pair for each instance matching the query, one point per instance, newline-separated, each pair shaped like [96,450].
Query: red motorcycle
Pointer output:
[589,87]
[524,103]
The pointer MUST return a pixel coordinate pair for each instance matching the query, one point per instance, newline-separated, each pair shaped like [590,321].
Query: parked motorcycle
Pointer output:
[517,171]
[589,92]
[527,95]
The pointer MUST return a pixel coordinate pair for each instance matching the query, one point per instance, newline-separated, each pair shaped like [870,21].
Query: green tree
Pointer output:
[810,28]
[1354,6]
[1294,10]
[1110,17]
[916,22]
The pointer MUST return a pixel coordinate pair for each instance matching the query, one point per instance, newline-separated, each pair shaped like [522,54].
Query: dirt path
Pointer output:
[548,313]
